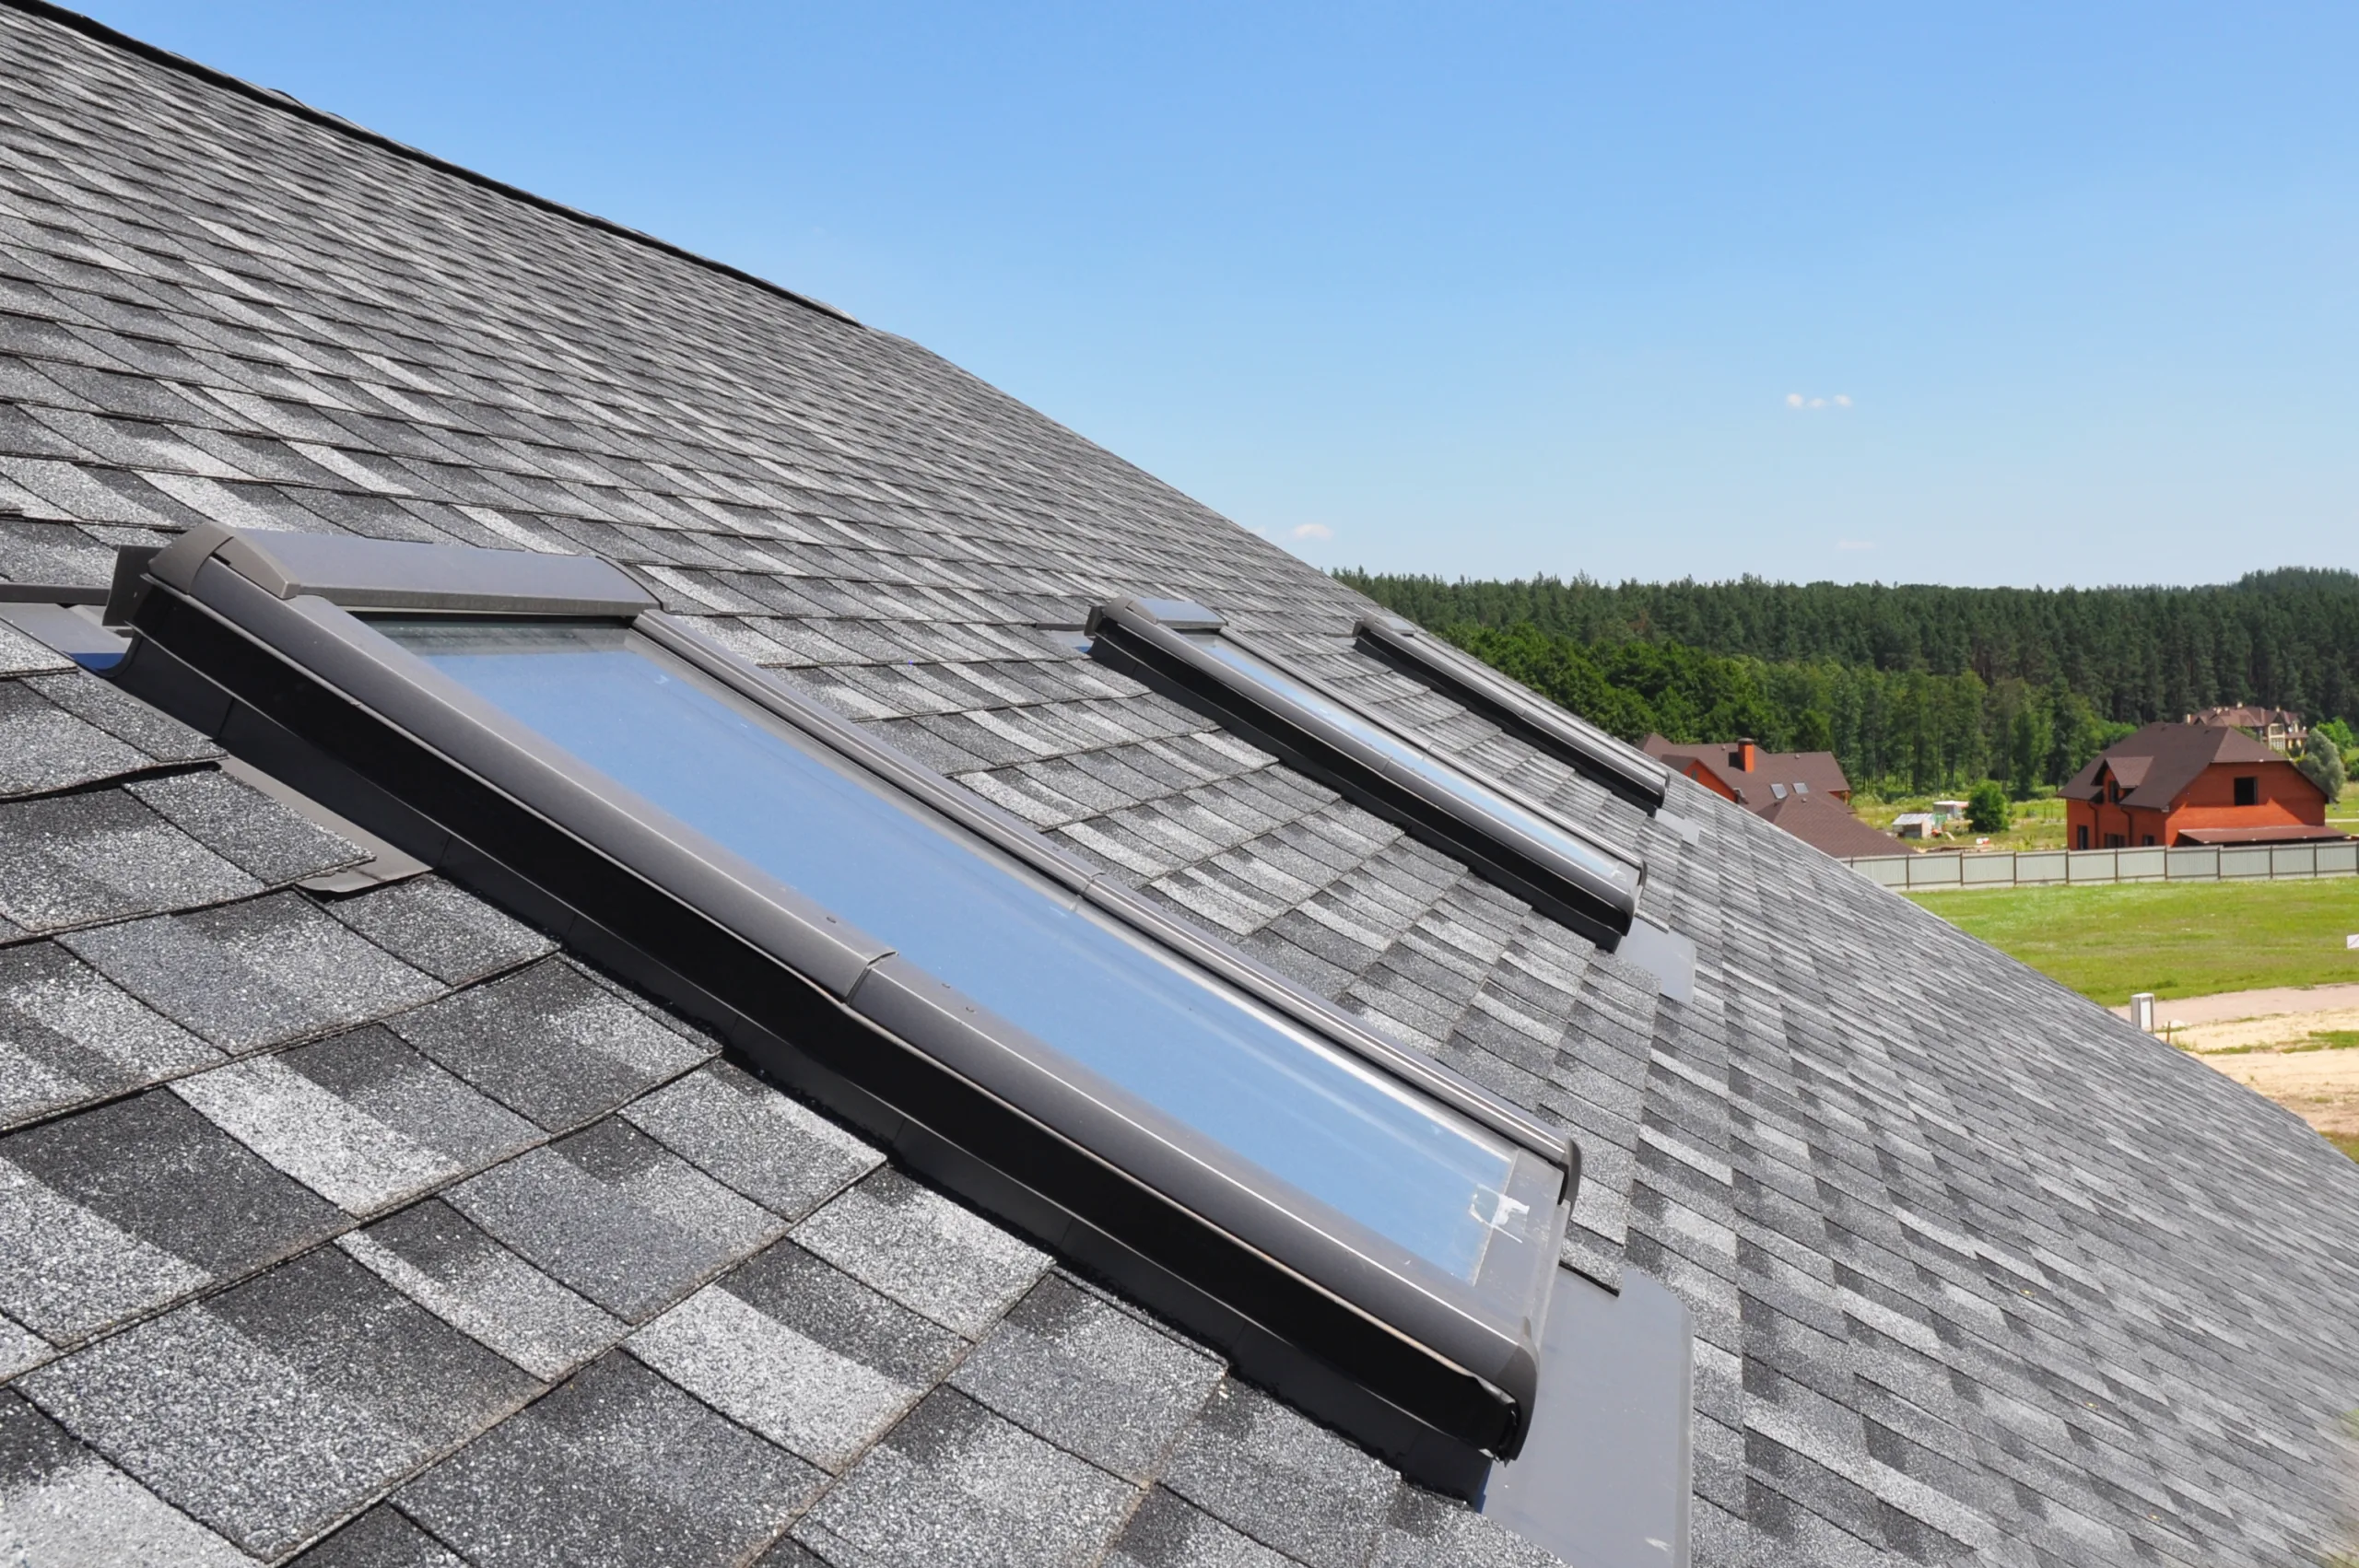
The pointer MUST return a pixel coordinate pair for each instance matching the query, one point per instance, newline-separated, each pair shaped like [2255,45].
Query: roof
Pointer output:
[2276,833]
[2156,764]
[376,1219]
[1827,825]
[2248,718]
[1752,788]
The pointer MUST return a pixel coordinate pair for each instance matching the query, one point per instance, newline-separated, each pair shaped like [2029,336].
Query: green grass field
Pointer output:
[2174,939]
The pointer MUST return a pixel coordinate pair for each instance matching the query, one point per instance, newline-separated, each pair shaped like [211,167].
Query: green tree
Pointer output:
[1986,810]
[2322,764]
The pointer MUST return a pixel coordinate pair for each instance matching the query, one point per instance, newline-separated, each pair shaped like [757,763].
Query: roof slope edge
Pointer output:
[90,28]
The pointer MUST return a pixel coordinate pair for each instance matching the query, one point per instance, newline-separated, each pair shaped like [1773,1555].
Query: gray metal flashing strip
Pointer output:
[1604,1476]
[1573,741]
[287,103]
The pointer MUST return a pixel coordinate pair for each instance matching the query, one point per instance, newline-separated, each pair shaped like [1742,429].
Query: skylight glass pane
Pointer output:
[1416,758]
[1274,1094]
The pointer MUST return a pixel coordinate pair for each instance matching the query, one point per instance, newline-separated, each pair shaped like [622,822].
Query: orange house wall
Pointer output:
[1706,777]
[2287,799]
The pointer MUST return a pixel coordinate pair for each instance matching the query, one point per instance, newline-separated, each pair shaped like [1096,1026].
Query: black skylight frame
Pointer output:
[1589,751]
[1154,640]
[253,639]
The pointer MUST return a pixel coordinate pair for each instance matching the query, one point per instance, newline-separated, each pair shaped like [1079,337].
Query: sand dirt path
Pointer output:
[2269,1041]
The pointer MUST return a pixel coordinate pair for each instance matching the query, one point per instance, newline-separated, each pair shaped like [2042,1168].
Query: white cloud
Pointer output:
[1314,530]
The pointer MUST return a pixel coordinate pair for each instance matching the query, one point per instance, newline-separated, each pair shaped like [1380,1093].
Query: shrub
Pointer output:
[1986,808]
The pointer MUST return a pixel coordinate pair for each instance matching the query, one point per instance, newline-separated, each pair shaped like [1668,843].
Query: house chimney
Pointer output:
[1745,755]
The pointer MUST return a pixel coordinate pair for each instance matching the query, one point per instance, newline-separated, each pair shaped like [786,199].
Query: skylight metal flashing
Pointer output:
[1421,1341]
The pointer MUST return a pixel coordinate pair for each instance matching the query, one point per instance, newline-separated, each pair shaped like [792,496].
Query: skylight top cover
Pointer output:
[1296,1105]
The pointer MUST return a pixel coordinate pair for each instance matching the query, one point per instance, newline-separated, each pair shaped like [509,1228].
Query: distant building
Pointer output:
[2278,728]
[2192,783]
[1804,792]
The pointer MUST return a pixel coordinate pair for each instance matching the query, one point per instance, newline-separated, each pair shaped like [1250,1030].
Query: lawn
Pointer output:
[2038,824]
[2174,939]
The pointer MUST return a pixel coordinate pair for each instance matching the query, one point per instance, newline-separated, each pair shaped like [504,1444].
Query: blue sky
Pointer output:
[2065,295]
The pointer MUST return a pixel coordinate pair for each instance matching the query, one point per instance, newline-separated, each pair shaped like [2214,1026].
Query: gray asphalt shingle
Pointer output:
[271,1410]
[616,1468]
[1957,1292]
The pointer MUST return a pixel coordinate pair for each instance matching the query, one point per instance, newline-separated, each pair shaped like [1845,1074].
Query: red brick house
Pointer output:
[2192,784]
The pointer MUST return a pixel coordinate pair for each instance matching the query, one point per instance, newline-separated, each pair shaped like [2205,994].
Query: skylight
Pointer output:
[1184,649]
[1352,1223]
[1589,751]
[1298,1108]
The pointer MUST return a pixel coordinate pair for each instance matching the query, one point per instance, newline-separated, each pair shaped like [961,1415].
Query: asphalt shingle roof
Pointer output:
[370,1227]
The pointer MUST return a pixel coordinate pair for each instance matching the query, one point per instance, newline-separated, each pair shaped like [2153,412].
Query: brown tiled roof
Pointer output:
[1825,824]
[2157,763]
[1819,770]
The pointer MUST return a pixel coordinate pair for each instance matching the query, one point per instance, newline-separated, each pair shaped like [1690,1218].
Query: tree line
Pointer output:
[1914,688]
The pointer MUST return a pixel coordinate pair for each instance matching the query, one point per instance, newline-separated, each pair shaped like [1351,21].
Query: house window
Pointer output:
[1232,1149]
[2248,791]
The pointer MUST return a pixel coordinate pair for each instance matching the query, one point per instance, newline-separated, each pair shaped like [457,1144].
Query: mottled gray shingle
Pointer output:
[616,1216]
[381,1537]
[43,747]
[273,1410]
[61,1503]
[253,974]
[361,1119]
[615,1469]
[955,1486]
[1090,1378]
[121,1209]
[777,1153]
[68,1035]
[71,859]
[924,1251]
[1253,1464]
[800,1352]
[432,924]
[451,1267]
[551,1044]
[246,829]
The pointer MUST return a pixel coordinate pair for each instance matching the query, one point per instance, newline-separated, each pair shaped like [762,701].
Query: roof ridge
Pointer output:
[288,103]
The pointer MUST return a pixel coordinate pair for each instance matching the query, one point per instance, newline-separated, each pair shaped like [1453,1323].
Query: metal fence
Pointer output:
[2055,868]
